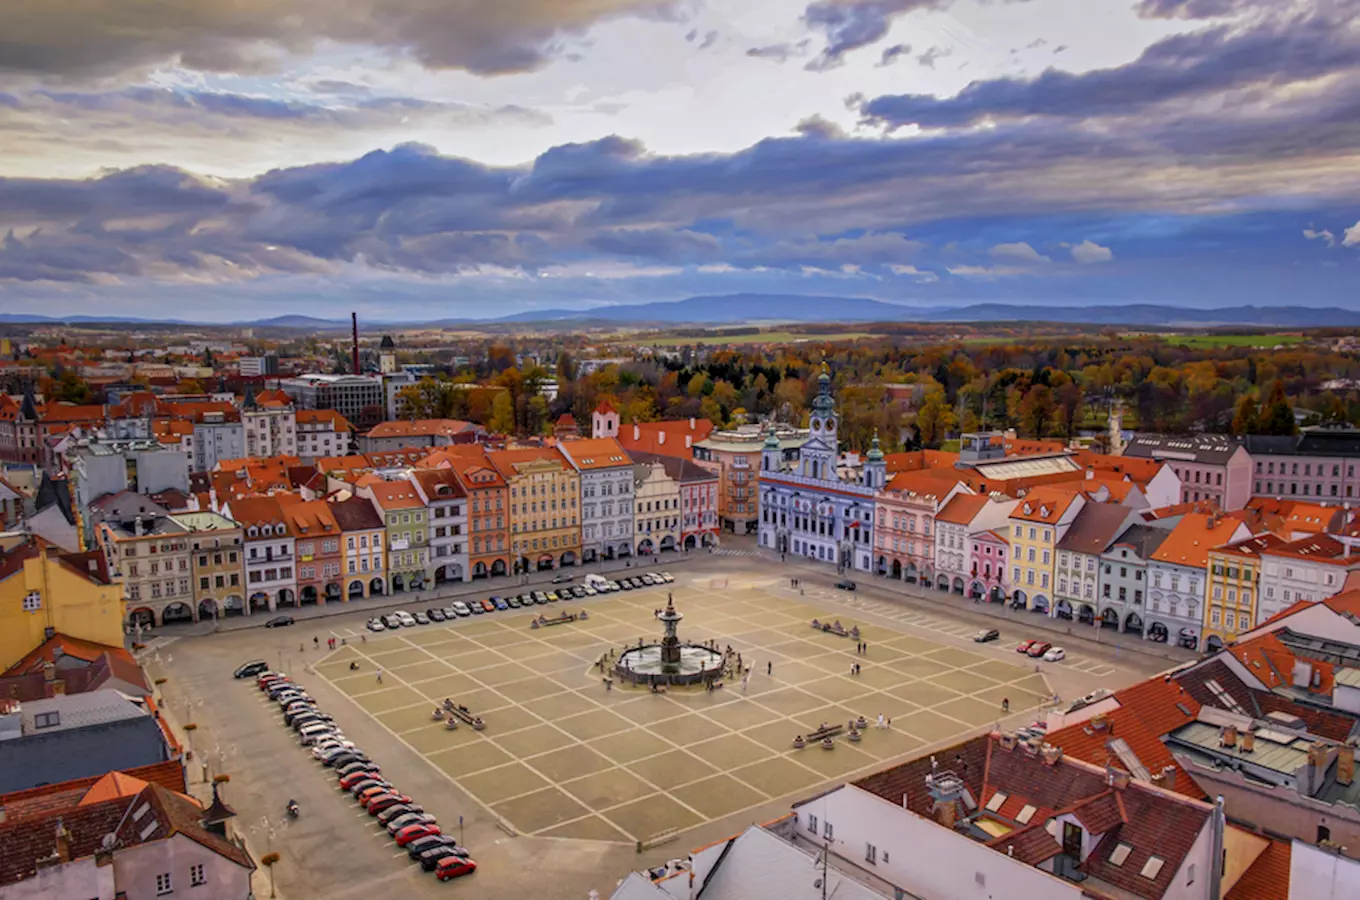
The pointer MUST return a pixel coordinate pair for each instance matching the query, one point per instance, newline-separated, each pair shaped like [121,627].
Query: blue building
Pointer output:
[817,504]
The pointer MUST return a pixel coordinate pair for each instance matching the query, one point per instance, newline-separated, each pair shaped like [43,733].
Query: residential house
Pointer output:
[270,424]
[1234,581]
[447,503]
[216,560]
[67,665]
[1177,576]
[419,433]
[1311,568]
[323,432]
[952,558]
[408,532]
[1091,534]
[44,591]
[1123,576]
[904,526]
[488,510]
[269,548]
[738,458]
[989,552]
[607,501]
[698,497]
[656,498]
[1155,479]
[148,552]
[545,513]
[1036,526]
[1317,462]
[669,437]
[1212,467]
[364,542]
[317,547]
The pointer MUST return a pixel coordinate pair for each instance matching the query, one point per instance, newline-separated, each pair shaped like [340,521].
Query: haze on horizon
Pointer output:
[211,160]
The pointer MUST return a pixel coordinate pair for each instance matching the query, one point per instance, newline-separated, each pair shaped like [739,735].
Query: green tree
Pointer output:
[1277,416]
[502,414]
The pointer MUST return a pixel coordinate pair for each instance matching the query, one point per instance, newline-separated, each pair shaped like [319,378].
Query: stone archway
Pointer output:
[376,588]
[645,546]
[452,572]
[668,543]
[1133,624]
[897,570]
[710,540]
[398,583]
[1019,600]
[333,591]
[568,558]
[996,595]
[942,585]
[498,567]
[307,595]
[1213,644]
[234,605]
[544,563]
[1063,610]
[479,569]
[689,542]
[1109,618]
[356,590]
[1158,632]
[177,612]
[259,601]
[911,575]
[975,590]
[142,616]
[1039,604]
[208,608]
[958,585]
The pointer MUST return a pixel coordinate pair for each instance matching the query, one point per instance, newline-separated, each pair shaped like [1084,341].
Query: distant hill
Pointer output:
[297,322]
[734,308]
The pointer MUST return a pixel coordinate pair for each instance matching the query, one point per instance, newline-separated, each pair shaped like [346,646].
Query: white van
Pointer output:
[598,582]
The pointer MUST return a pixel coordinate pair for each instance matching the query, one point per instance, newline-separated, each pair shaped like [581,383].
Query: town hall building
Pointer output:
[817,504]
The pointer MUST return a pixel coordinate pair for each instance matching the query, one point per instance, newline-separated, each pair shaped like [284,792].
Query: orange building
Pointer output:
[488,507]
[318,554]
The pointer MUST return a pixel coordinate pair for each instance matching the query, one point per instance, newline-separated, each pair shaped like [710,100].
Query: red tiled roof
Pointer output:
[1267,878]
[1102,813]
[1045,504]
[1194,536]
[962,509]
[667,437]
[38,801]
[421,428]
[1031,845]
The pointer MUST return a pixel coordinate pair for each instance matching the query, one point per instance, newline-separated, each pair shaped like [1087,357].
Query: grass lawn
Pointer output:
[764,337]
[1210,341]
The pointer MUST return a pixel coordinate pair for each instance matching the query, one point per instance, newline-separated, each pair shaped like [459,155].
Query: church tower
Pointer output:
[604,422]
[820,451]
[875,467]
[771,457]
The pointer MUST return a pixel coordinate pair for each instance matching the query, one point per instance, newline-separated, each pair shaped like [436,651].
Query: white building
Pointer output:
[269,552]
[607,492]
[448,509]
[323,432]
[270,427]
[217,436]
[1312,568]
[656,497]
[1177,576]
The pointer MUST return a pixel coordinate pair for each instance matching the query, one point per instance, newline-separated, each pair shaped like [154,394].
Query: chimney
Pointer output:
[1248,742]
[1169,773]
[689,441]
[691,423]
[1008,740]
[1345,764]
[946,812]
[637,432]
[1317,765]
[1229,736]
[63,842]
[660,438]
[1051,754]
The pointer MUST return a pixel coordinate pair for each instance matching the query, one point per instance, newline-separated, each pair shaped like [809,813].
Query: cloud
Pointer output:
[1324,235]
[1352,236]
[893,53]
[1269,53]
[929,58]
[817,126]
[851,24]
[1201,9]
[986,272]
[922,276]
[779,53]
[69,37]
[1088,252]
[1018,252]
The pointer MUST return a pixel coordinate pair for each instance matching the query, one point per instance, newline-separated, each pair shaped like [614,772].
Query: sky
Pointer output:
[227,160]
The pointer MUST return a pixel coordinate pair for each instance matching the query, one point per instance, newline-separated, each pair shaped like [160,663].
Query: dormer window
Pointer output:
[1121,853]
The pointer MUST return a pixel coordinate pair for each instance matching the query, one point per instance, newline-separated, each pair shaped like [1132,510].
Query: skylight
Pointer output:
[1223,696]
[1152,867]
[997,799]
[1026,814]
[1121,853]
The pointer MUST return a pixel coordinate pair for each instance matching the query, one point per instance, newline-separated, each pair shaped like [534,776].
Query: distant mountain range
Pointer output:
[733,309]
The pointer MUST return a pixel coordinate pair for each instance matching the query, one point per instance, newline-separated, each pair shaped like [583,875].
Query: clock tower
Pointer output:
[819,453]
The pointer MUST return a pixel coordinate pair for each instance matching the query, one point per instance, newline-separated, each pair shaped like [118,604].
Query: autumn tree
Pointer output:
[502,414]
[1277,416]
[1035,410]
[934,420]
[1245,415]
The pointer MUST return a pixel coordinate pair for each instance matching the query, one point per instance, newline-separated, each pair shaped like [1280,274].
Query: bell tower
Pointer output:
[819,453]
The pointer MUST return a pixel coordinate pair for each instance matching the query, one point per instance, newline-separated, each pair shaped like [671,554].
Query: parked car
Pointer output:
[435,613]
[450,613]
[250,669]
[421,618]
[407,620]
[360,765]
[667,577]
[430,858]
[353,778]
[1023,646]
[1055,654]
[391,621]
[986,634]
[421,845]
[376,624]
[513,602]
[563,579]
[649,579]
[265,679]
[279,622]
[476,607]
[363,795]
[346,757]
[338,742]
[454,867]
[363,784]
[589,591]
[411,832]
[499,603]
[383,801]
[488,605]
[1039,648]
[540,598]
[614,586]
[395,818]
[553,596]
[461,608]
[845,584]
[626,584]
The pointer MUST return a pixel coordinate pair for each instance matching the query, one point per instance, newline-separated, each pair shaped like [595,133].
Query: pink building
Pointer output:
[904,531]
[1213,467]
[987,554]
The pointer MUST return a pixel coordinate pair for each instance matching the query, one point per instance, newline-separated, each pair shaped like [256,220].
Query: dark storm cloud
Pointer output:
[1269,53]
[66,37]
[849,25]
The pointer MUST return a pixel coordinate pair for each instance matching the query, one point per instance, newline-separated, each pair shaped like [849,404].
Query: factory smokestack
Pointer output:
[354,321]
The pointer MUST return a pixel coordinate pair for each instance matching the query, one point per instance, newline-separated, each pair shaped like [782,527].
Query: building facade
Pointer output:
[607,501]
[698,498]
[269,550]
[319,560]
[1319,462]
[1234,573]
[488,513]
[43,590]
[810,505]
[989,552]
[322,433]
[1078,569]
[447,504]
[1036,526]
[216,560]
[1312,568]
[905,528]
[1177,576]
[1212,467]
[359,398]
[364,547]
[149,553]
[270,424]
[545,514]
[407,524]
[736,458]
[1123,577]
[657,499]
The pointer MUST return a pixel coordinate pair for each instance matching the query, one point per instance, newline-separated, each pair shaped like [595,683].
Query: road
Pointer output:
[336,850]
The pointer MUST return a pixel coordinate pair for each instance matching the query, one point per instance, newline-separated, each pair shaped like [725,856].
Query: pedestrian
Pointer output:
[881,723]
[889,721]
[769,667]
[380,676]
[1005,704]
[316,641]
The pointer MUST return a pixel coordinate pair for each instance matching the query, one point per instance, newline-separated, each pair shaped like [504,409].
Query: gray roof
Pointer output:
[678,468]
[80,711]
[1210,449]
[1095,528]
[1145,539]
[763,866]
[1321,440]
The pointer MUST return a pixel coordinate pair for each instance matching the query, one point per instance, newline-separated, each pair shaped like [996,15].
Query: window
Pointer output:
[997,800]
[1152,868]
[812,824]
[197,876]
[871,854]
[1026,814]
[46,719]
[163,884]
[1121,853]
[33,601]
[1190,875]
[827,831]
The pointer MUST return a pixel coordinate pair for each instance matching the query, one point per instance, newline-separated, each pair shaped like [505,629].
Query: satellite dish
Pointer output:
[817,883]
[107,841]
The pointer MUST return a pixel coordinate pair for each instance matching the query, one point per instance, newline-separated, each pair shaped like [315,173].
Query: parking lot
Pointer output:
[562,756]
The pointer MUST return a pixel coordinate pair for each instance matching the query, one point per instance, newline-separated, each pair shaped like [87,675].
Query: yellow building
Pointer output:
[1234,577]
[545,515]
[1038,523]
[44,591]
[217,563]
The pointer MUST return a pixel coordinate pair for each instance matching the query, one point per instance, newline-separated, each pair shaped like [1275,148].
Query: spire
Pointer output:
[29,408]
[875,453]
[824,403]
[771,439]
[250,402]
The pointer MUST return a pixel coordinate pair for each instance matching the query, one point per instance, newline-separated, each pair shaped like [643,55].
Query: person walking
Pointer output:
[1005,704]
[380,676]
[769,667]
[881,723]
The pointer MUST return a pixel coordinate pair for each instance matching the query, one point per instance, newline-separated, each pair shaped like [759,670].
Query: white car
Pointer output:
[1056,654]
[324,747]
[376,625]
[614,586]
[405,618]
[590,591]
[667,577]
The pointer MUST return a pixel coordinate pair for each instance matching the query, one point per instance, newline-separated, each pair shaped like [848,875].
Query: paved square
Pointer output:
[563,757]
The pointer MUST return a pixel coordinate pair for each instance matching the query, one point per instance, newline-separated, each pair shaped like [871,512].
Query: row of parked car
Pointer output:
[413,829]
[462,609]
[1042,650]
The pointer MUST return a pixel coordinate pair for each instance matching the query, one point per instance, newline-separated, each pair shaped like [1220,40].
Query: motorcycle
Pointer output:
[292,809]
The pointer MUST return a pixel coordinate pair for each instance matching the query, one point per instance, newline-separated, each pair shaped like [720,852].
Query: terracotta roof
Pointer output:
[355,514]
[112,786]
[1030,447]
[1267,878]
[391,495]
[61,650]
[678,469]
[310,519]
[421,428]
[1102,813]
[438,484]
[1045,504]
[37,801]
[1194,536]
[323,417]
[505,461]
[668,437]
[1031,845]
[1141,471]
[925,483]
[1252,547]
[589,454]
[605,408]
[1317,548]
[962,509]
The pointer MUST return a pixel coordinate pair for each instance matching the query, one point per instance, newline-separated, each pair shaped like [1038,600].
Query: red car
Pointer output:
[1039,648]
[1025,645]
[488,606]
[353,778]
[454,867]
[383,801]
[412,832]
[372,791]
